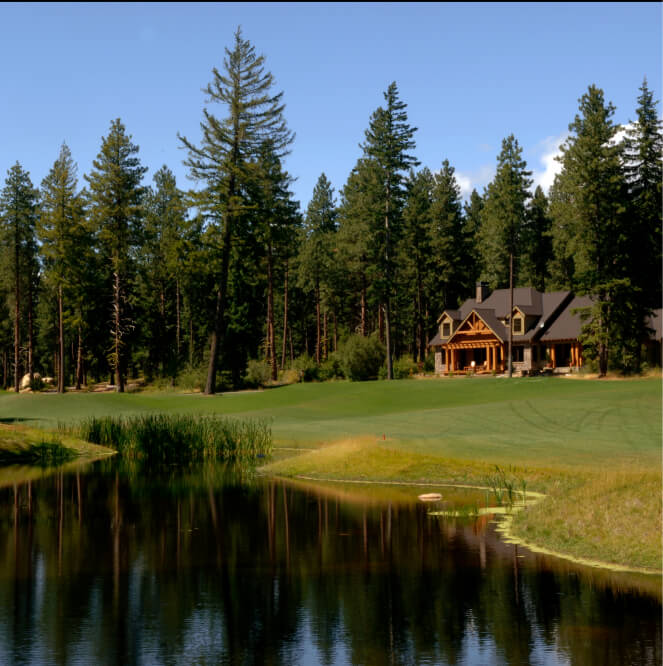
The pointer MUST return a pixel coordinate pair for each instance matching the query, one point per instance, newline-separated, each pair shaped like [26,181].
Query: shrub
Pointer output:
[429,363]
[361,357]
[404,368]
[289,376]
[192,378]
[258,373]
[306,367]
[332,368]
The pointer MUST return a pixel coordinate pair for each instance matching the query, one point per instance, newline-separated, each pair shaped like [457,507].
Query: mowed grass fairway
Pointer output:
[593,445]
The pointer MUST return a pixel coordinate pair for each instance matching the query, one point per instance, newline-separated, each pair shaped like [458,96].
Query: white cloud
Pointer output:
[476,179]
[547,150]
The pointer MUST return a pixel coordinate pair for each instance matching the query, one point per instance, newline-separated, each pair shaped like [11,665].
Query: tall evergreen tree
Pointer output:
[504,214]
[115,209]
[389,138]
[644,175]
[415,256]
[226,158]
[449,245]
[472,211]
[18,216]
[588,204]
[62,215]
[166,231]
[316,250]
[536,252]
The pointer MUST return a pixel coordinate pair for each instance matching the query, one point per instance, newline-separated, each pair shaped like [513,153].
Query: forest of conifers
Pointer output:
[113,277]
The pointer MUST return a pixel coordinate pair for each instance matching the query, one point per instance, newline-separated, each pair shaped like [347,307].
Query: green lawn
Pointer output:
[544,421]
[594,446]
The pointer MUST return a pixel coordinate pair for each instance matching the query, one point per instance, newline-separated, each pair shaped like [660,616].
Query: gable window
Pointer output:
[446,329]
[517,325]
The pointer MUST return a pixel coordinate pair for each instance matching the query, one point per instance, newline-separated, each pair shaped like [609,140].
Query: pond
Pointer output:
[112,563]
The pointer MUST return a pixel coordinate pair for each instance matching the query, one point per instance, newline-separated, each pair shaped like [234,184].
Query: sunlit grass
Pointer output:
[177,437]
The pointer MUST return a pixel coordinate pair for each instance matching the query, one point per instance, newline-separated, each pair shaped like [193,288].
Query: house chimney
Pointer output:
[482,291]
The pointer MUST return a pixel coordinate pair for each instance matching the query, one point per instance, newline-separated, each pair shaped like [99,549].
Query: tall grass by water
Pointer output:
[178,437]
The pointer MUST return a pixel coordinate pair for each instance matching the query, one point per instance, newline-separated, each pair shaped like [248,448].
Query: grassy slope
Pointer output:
[595,446]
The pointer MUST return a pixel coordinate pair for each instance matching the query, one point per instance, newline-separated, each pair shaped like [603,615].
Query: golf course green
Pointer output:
[592,446]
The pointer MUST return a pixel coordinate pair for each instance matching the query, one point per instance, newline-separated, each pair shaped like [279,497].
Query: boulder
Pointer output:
[25,380]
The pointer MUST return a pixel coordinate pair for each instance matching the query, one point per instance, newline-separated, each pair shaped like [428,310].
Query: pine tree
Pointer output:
[227,154]
[316,250]
[388,142]
[115,209]
[166,231]
[18,217]
[62,215]
[504,214]
[644,175]
[537,244]
[472,211]
[449,245]
[588,205]
[415,256]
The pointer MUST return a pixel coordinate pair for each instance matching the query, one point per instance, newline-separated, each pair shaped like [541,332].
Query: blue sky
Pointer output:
[470,73]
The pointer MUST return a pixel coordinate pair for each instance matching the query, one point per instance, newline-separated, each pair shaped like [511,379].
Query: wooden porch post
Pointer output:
[552,356]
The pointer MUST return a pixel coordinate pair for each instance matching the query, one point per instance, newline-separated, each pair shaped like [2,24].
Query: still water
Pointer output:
[114,564]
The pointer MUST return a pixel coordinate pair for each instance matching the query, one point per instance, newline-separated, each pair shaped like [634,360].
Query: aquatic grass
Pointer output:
[178,437]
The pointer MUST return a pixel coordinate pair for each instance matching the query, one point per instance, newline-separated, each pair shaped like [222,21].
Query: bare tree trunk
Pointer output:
[362,325]
[387,323]
[177,319]
[285,315]
[325,337]
[117,342]
[335,330]
[79,361]
[292,349]
[317,324]
[190,339]
[61,342]
[271,342]
[31,370]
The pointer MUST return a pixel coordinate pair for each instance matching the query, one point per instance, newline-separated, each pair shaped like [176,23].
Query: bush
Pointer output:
[258,373]
[332,368]
[192,378]
[307,368]
[429,363]
[289,376]
[361,357]
[404,368]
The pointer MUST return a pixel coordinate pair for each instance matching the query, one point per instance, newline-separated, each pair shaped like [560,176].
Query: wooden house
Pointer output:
[475,338]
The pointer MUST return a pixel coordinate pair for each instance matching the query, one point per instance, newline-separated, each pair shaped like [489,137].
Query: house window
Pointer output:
[446,329]
[517,354]
[517,325]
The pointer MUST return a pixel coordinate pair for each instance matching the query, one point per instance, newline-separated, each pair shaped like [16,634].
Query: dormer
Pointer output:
[446,326]
[518,322]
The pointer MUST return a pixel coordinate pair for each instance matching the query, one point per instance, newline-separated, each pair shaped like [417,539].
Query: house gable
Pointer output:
[476,329]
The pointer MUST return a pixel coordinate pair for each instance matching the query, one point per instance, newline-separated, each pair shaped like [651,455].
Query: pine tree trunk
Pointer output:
[177,321]
[17,295]
[31,370]
[190,338]
[362,316]
[285,315]
[317,324]
[335,330]
[79,361]
[117,333]
[162,336]
[271,342]
[219,314]
[325,337]
[61,342]
[387,323]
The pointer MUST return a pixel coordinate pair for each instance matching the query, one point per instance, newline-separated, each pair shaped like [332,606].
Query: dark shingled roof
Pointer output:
[436,341]
[568,325]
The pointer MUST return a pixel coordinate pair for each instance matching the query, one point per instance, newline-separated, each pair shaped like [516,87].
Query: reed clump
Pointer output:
[179,437]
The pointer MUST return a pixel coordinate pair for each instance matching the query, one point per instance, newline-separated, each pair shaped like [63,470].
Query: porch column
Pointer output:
[446,358]
[579,355]
[552,356]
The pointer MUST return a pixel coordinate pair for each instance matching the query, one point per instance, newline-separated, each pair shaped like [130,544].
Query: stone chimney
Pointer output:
[482,291]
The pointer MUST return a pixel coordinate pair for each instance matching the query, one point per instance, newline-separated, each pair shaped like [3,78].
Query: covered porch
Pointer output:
[474,357]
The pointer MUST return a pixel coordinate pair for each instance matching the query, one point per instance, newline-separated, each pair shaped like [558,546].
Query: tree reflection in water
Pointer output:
[211,564]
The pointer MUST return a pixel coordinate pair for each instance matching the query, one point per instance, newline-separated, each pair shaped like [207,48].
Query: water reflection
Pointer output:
[215,565]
